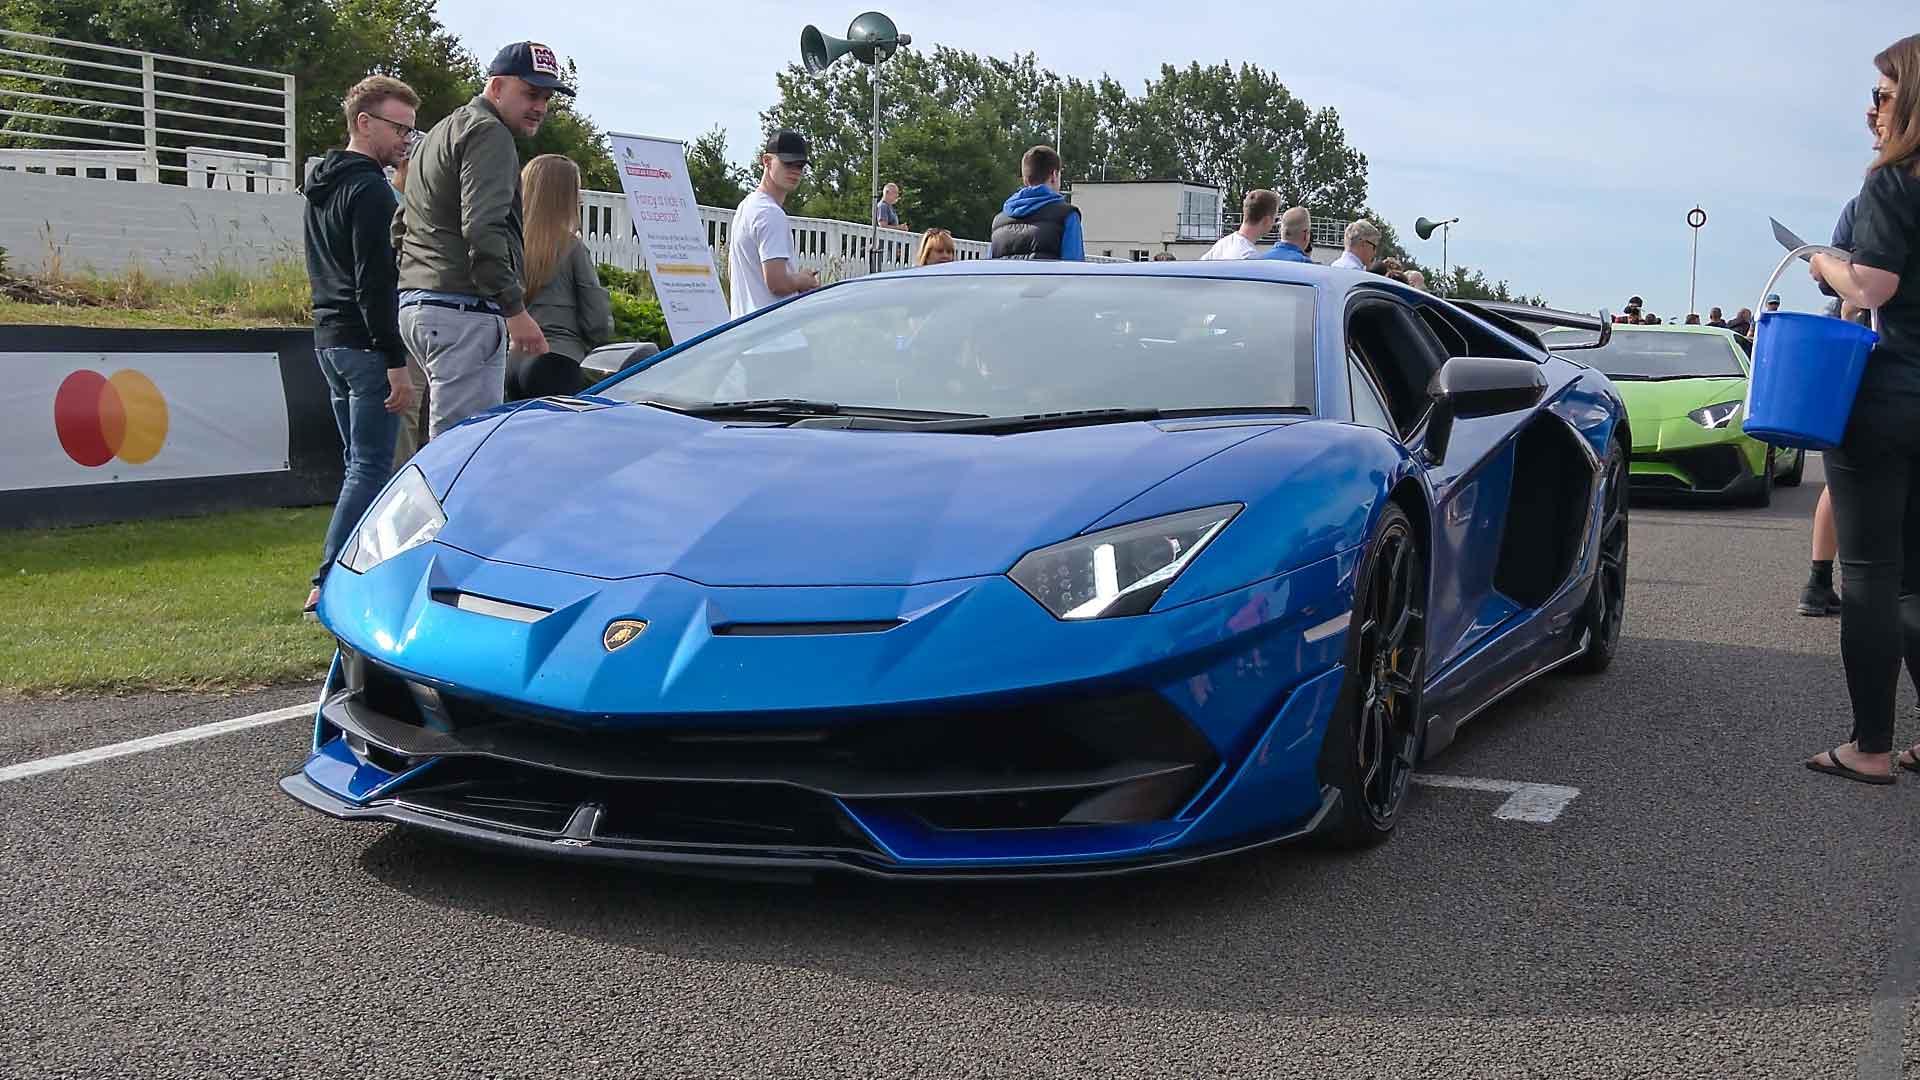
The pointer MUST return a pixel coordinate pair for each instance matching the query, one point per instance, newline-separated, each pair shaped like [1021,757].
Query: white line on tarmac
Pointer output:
[1535,803]
[152,742]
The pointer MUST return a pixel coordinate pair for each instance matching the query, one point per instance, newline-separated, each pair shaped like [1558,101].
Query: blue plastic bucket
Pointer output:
[1806,370]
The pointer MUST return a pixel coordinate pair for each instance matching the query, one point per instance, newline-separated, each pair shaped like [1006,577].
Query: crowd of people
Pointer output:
[1634,313]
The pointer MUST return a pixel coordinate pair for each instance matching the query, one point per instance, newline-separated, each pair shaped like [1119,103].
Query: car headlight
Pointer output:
[1118,571]
[405,516]
[1715,416]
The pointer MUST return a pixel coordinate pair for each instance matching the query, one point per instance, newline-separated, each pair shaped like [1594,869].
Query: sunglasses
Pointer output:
[1881,97]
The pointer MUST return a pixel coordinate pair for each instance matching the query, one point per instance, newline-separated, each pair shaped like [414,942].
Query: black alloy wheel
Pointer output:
[1385,674]
[1606,609]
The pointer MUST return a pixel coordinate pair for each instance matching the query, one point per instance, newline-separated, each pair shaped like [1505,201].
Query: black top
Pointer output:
[1886,236]
[350,257]
[1036,236]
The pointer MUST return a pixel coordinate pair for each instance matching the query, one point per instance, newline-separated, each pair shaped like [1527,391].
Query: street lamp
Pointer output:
[872,38]
[1425,228]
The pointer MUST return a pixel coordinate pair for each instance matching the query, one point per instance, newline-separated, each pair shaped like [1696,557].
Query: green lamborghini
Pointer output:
[1686,389]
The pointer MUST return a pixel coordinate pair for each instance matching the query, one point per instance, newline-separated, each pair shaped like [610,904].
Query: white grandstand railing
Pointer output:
[110,109]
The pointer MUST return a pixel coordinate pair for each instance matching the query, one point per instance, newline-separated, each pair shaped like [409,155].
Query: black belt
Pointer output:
[480,306]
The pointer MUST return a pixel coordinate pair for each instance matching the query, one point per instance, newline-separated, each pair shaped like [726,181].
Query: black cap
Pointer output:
[1634,300]
[532,63]
[788,146]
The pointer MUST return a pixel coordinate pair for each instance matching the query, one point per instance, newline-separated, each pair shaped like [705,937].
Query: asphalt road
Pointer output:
[1704,908]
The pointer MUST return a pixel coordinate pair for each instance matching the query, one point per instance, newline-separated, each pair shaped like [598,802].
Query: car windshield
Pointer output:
[1642,355]
[1008,344]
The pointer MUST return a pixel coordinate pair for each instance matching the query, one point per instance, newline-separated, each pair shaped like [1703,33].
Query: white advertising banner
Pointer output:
[70,418]
[653,172]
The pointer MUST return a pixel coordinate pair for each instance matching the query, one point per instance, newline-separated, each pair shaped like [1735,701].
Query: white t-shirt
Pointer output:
[1349,261]
[760,232]
[1230,246]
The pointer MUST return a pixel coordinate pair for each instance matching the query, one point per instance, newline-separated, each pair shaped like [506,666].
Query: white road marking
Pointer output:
[1535,803]
[152,742]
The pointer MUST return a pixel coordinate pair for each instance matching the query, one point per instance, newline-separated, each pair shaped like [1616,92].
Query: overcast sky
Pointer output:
[1570,138]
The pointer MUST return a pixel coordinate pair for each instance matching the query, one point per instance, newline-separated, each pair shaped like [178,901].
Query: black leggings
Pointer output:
[541,376]
[1875,480]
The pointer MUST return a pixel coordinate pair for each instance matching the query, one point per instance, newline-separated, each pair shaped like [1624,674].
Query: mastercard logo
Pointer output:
[100,417]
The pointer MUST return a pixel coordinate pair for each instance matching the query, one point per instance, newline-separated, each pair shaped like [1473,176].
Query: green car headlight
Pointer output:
[1716,416]
[1118,571]
[405,516]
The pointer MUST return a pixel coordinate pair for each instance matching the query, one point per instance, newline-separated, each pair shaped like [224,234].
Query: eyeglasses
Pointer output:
[407,130]
[1881,97]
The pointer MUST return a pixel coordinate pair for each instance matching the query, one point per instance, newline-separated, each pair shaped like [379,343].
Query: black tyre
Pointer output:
[1793,476]
[1605,612]
[1374,743]
[1762,493]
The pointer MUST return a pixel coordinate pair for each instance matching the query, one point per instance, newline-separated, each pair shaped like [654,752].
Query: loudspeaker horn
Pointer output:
[818,51]
[1424,228]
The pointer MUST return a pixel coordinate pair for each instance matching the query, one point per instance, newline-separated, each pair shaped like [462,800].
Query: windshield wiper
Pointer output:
[1089,417]
[1673,378]
[777,407]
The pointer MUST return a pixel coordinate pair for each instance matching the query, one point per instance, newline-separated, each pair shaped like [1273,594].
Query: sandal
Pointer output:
[1833,766]
[1909,760]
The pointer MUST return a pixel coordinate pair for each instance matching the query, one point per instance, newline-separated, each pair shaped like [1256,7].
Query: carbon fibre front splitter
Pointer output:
[708,862]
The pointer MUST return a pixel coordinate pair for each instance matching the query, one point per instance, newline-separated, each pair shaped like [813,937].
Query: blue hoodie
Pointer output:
[1073,247]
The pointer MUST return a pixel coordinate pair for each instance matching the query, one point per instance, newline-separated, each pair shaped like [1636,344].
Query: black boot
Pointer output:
[1818,599]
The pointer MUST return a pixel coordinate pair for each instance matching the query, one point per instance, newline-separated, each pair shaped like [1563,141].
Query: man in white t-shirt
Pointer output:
[760,266]
[1257,213]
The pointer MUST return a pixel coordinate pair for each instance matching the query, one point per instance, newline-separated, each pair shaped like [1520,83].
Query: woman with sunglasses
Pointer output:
[1874,475]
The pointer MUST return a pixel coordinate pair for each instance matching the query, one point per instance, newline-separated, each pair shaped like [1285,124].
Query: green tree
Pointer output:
[955,123]
[716,181]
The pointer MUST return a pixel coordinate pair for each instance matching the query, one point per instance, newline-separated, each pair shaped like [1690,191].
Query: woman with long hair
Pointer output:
[564,294]
[935,248]
[1874,475]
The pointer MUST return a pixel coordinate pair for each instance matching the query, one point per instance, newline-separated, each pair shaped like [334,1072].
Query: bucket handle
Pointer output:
[1805,251]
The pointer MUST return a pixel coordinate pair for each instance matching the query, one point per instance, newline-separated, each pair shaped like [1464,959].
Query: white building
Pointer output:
[1138,219]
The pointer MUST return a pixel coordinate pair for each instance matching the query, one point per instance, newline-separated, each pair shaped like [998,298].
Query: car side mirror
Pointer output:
[1470,386]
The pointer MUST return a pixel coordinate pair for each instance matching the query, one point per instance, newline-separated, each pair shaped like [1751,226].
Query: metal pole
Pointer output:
[1694,278]
[1445,274]
[151,173]
[873,247]
[294,179]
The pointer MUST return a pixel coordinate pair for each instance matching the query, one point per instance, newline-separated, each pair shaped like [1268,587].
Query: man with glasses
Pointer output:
[458,234]
[356,330]
[1363,245]
[760,266]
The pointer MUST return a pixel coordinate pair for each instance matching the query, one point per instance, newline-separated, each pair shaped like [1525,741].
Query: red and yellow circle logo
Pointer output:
[99,418]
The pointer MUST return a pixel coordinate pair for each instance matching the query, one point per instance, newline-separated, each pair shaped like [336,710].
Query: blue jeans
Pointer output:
[358,381]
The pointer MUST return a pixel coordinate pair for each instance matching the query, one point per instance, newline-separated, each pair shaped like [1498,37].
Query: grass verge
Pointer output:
[193,603]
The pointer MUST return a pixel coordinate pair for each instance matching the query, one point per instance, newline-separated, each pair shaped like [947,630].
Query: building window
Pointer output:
[1139,254]
[1199,215]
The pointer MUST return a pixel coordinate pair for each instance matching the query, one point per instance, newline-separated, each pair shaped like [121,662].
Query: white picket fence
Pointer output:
[835,249]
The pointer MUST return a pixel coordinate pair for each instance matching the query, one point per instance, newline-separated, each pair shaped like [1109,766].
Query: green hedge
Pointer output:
[636,310]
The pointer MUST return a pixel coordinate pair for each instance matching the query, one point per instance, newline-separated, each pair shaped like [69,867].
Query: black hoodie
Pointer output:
[350,257]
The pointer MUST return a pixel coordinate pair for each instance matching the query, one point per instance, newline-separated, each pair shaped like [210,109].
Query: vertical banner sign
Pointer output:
[653,172]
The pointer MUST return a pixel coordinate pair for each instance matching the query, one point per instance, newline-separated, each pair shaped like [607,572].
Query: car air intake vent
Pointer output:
[804,629]
[486,605]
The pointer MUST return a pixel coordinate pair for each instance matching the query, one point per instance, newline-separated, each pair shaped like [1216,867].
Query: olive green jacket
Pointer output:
[458,227]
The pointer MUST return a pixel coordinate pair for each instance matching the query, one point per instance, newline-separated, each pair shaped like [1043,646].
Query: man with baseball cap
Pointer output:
[458,236]
[760,266]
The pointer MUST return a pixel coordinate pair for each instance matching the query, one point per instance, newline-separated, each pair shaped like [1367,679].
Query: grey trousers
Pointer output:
[465,354]
[413,422]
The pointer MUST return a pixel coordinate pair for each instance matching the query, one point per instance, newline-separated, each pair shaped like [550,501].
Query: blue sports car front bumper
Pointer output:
[947,729]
